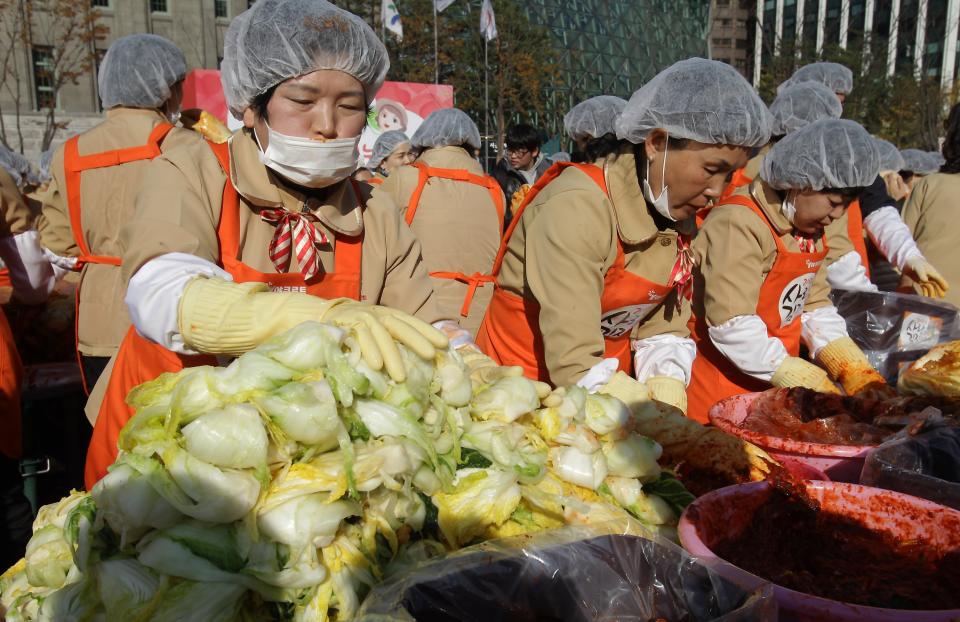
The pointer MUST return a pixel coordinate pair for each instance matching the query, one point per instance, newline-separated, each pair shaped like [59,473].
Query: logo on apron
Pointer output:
[619,322]
[793,297]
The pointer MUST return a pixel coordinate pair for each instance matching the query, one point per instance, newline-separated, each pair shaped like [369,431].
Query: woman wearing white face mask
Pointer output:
[237,242]
[597,254]
[760,286]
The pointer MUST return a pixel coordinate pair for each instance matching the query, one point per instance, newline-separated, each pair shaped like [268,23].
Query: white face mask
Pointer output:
[662,202]
[310,163]
[789,206]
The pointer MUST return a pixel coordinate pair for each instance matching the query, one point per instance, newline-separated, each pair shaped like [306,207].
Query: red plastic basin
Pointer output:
[726,511]
[841,463]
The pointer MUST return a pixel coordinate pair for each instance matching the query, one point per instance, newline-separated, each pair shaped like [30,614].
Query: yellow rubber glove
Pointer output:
[848,365]
[483,369]
[222,317]
[668,390]
[796,372]
[926,280]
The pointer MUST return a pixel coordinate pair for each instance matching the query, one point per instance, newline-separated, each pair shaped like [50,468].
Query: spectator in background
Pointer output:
[523,165]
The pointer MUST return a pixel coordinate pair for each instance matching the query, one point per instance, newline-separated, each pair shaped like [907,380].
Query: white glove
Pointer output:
[744,341]
[891,236]
[31,273]
[663,356]
[821,327]
[599,375]
[848,272]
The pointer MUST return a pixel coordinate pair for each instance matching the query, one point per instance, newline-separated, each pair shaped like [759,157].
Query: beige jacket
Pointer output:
[17,217]
[735,250]
[752,169]
[457,224]
[179,204]
[931,214]
[563,247]
[107,203]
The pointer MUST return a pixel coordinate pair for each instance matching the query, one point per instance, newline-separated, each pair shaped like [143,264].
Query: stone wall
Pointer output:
[32,124]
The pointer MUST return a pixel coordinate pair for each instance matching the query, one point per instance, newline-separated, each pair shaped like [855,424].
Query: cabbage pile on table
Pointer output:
[283,486]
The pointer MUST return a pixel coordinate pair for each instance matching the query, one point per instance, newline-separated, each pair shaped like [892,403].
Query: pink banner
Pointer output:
[403,106]
[202,89]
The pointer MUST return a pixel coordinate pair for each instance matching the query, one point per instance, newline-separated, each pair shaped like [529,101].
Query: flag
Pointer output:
[488,21]
[391,18]
[440,5]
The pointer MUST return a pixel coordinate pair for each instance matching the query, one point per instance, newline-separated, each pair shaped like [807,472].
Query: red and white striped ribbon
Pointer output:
[807,245]
[681,276]
[294,233]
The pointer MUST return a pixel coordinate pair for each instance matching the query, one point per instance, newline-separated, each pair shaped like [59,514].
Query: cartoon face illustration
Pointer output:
[391,116]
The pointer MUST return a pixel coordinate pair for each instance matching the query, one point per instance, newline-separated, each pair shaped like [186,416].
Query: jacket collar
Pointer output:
[450,157]
[771,204]
[337,207]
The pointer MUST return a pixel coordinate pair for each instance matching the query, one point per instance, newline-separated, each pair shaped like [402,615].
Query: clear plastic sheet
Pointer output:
[894,329]
[572,574]
[926,465]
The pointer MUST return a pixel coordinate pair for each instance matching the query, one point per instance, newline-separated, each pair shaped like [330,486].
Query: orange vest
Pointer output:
[11,377]
[74,165]
[426,172]
[510,333]
[855,231]
[140,360]
[782,297]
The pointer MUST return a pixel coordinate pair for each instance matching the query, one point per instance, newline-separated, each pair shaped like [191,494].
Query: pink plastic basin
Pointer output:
[728,511]
[841,463]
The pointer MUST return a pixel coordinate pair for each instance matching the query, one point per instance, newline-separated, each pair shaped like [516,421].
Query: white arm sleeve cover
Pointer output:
[31,273]
[848,272]
[746,344]
[891,236]
[153,296]
[663,355]
[820,327]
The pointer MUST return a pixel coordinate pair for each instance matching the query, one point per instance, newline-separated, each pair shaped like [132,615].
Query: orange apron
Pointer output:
[476,280]
[855,231]
[11,377]
[782,297]
[375,181]
[510,333]
[74,165]
[140,360]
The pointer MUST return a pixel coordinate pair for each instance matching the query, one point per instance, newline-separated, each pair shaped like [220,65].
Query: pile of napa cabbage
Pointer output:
[283,486]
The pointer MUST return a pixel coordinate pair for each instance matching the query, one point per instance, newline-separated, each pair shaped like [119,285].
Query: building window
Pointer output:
[220,8]
[158,6]
[43,76]
[100,3]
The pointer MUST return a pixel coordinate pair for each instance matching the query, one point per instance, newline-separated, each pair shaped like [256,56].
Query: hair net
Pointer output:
[890,158]
[560,156]
[447,126]
[827,154]
[139,70]
[801,104]
[275,40]
[835,76]
[936,160]
[704,100]
[44,166]
[919,162]
[16,165]
[594,117]
[386,144]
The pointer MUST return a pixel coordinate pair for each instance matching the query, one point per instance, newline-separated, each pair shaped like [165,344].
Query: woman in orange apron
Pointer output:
[234,243]
[598,255]
[455,211]
[760,285]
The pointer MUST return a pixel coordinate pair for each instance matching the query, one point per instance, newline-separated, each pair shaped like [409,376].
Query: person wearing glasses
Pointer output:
[523,165]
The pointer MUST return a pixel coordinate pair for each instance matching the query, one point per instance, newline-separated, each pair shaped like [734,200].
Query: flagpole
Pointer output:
[486,103]
[436,46]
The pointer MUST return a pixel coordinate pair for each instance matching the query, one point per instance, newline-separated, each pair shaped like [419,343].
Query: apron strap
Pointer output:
[73,166]
[426,172]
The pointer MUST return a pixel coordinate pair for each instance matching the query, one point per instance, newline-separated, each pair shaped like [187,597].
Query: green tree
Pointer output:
[522,67]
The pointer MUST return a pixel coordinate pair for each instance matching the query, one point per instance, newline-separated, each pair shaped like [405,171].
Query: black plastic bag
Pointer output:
[571,574]
[926,465]
[894,330]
